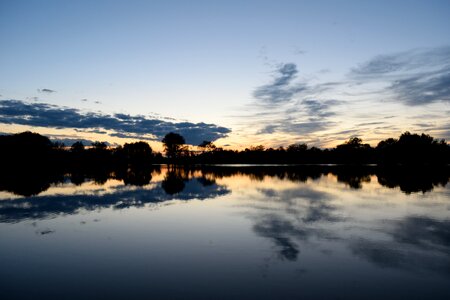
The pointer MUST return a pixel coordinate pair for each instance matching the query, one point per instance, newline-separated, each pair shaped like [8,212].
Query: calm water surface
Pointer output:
[228,233]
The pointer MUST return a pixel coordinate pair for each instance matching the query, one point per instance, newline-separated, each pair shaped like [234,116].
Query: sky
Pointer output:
[238,73]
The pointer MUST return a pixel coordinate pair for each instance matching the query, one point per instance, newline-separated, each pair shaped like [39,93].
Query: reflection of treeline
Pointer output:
[408,179]
[30,149]
[32,182]
[177,184]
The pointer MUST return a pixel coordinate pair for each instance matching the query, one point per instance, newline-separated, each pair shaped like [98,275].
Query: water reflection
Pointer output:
[302,228]
[409,180]
[173,182]
[294,218]
[177,184]
[200,183]
[413,180]
[413,243]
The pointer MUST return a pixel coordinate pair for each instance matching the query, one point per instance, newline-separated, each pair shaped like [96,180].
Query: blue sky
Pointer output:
[238,72]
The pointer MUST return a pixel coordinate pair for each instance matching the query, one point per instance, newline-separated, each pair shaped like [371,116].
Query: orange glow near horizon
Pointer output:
[232,142]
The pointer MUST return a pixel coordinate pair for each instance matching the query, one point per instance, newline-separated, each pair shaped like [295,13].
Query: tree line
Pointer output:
[29,149]
[408,149]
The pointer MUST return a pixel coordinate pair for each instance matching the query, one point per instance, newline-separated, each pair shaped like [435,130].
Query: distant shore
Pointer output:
[29,150]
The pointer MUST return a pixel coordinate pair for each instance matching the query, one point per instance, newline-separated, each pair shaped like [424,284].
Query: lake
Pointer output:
[228,232]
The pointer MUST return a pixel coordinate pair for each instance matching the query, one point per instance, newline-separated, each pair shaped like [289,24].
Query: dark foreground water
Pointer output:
[228,233]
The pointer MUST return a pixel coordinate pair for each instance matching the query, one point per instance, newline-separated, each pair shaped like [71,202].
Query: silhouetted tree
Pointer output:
[258,148]
[99,145]
[412,149]
[173,144]
[25,150]
[77,147]
[297,148]
[139,153]
[353,151]
[59,146]
[207,146]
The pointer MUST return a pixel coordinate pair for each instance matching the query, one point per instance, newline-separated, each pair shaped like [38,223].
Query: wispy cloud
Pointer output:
[424,88]
[286,105]
[47,91]
[322,109]
[415,77]
[305,117]
[280,89]
[294,127]
[311,108]
[121,125]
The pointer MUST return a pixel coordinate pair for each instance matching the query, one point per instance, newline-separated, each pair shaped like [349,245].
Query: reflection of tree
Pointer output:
[409,180]
[120,197]
[135,176]
[77,178]
[304,175]
[27,184]
[100,177]
[413,180]
[173,182]
[353,176]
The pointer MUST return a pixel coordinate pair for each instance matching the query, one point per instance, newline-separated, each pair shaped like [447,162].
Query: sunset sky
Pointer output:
[239,73]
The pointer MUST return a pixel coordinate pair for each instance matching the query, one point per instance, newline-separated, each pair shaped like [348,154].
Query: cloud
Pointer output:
[92,131]
[424,125]
[379,65]
[306,117]
[48,91]
[424,88]
[280,90]
[121,125]
[369,124]
[293,107]
[293,127]
[306,108]
[411,60]
[319,108]
[415,77]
